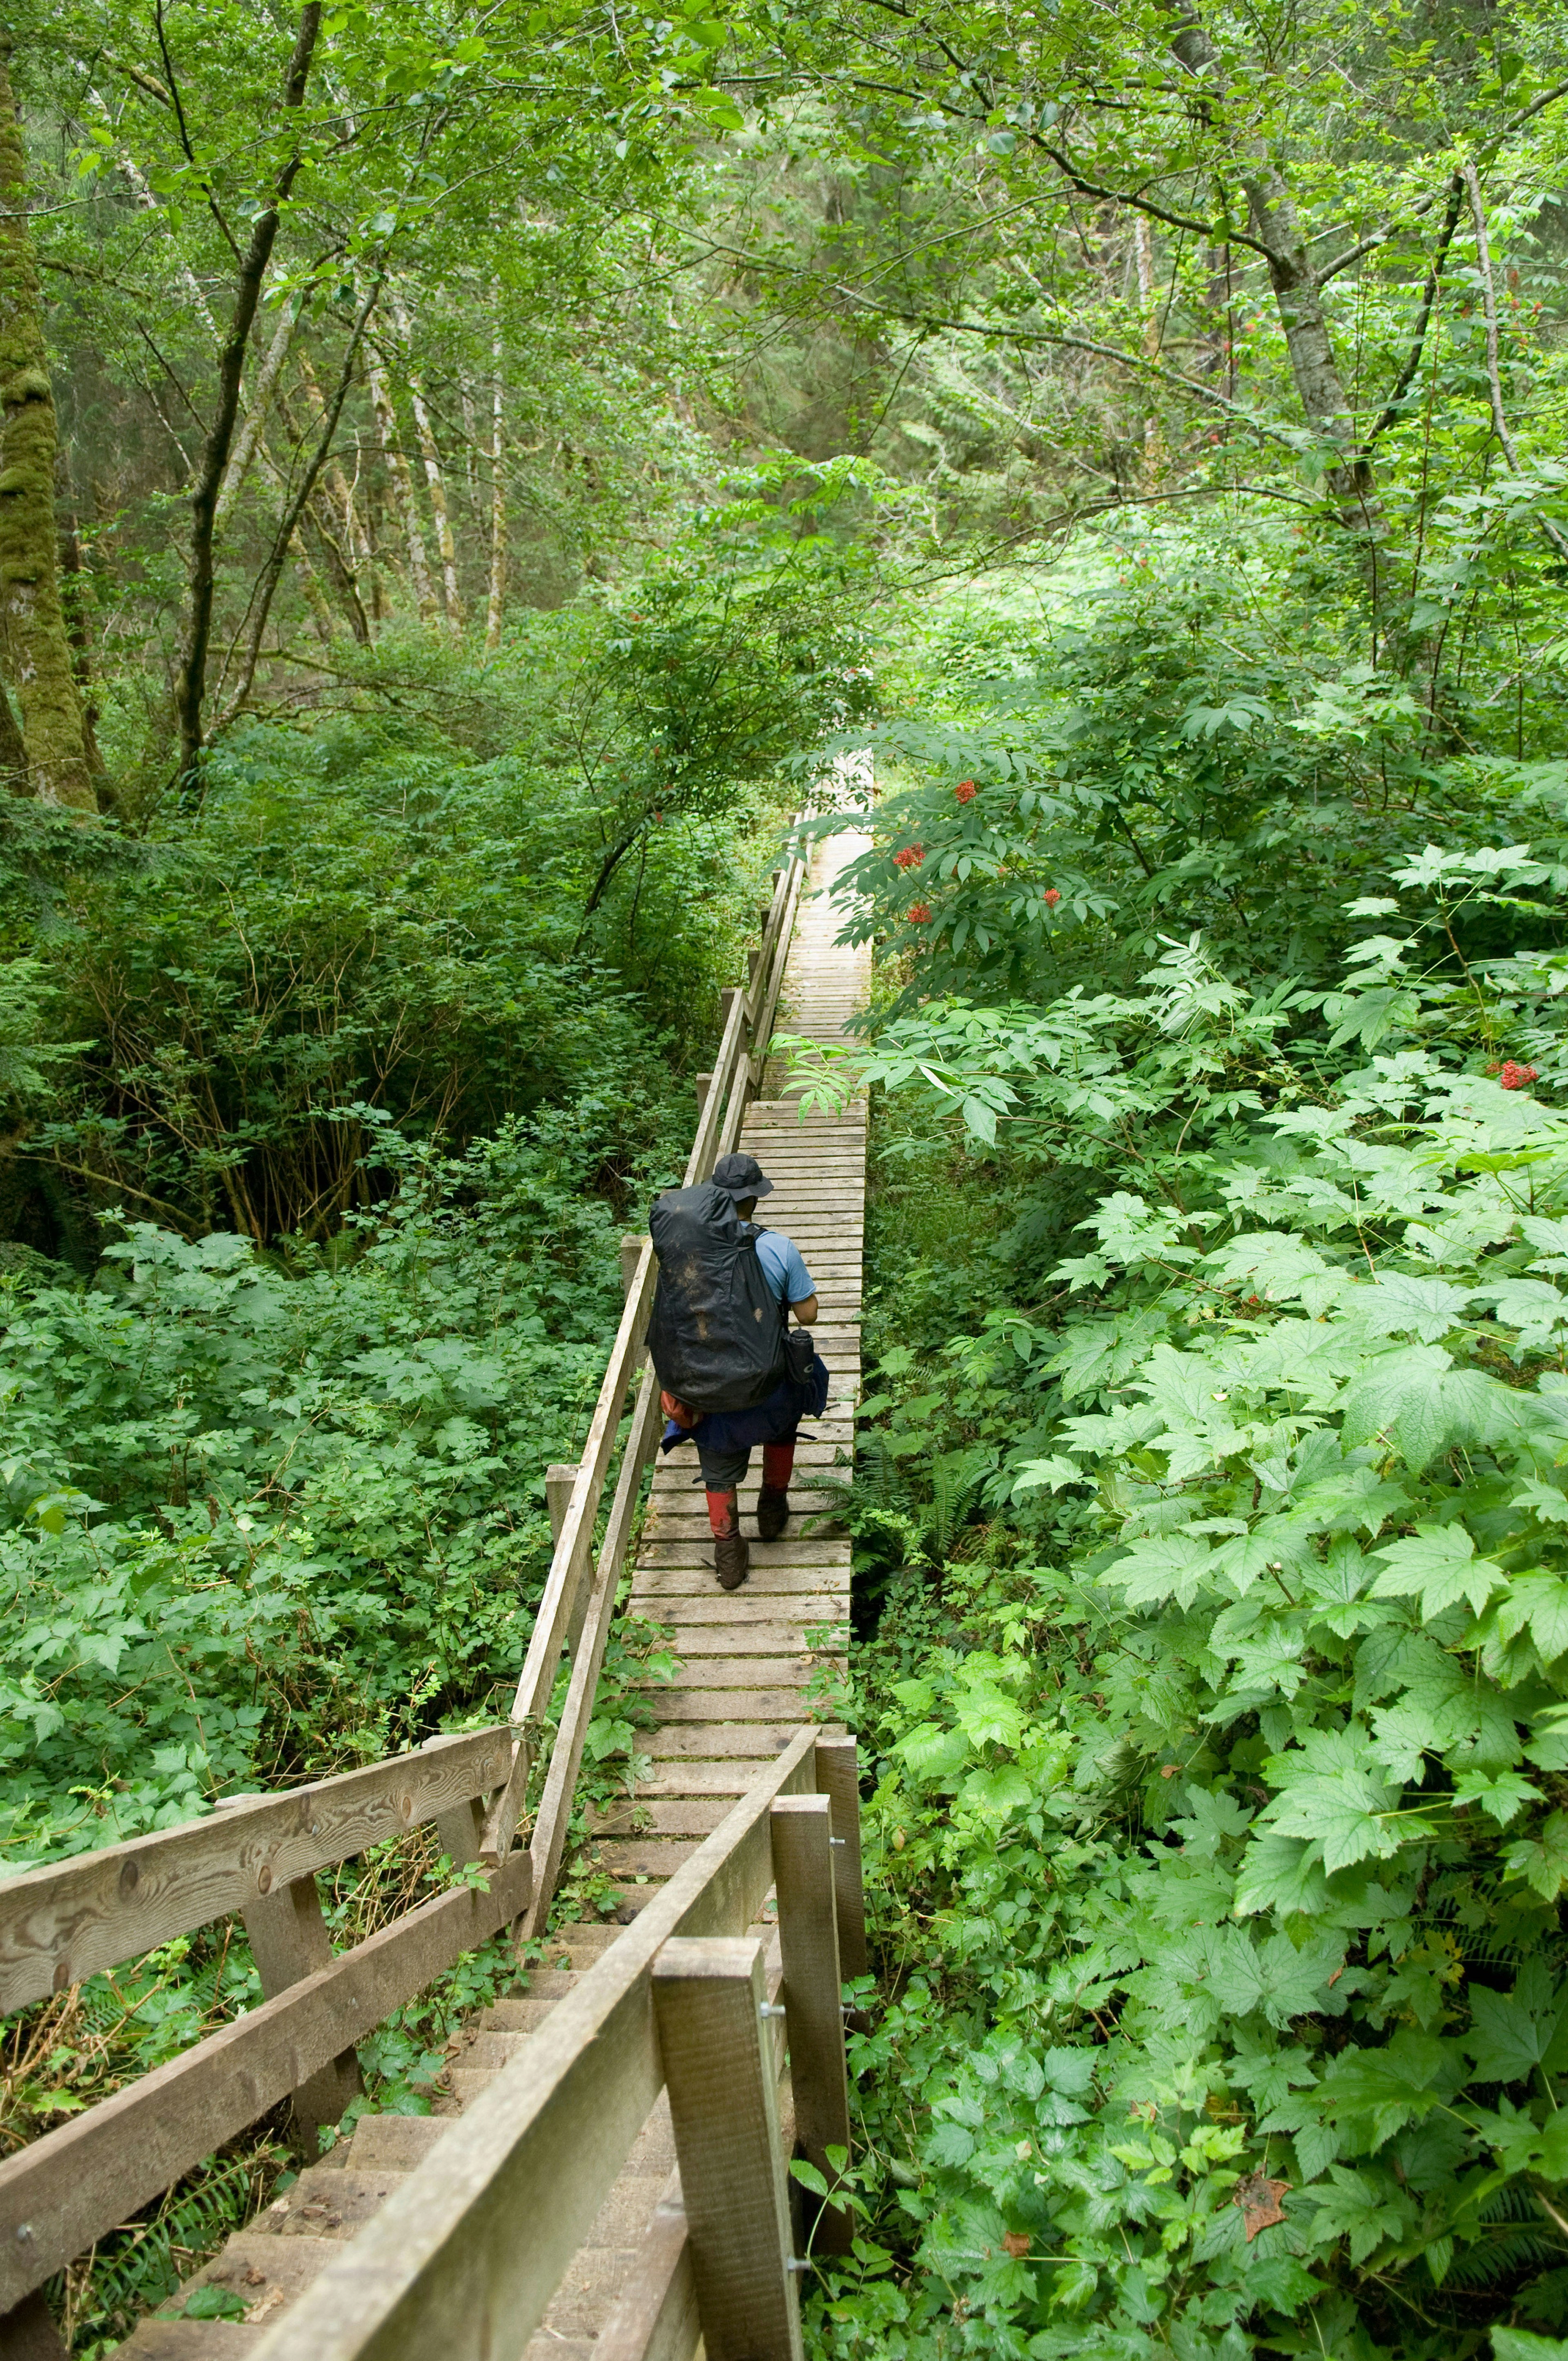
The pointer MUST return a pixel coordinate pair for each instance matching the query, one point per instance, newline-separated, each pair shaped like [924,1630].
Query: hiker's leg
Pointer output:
[773,1501]
[722,1473]
[778,1464]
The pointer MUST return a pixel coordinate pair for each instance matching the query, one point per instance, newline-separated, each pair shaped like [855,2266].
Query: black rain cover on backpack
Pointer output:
[717,1331]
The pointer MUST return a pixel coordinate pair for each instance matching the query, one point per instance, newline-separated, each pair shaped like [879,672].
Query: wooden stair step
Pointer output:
[328,2201]
[194,2340]
[685,1815]
[736,1740]
[392,2143]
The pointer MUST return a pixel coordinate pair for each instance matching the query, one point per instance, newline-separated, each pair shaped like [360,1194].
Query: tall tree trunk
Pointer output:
[191,675]
[403,490]
[14,779]
[432,474]
[265,386]
[57,765]
[497,508]
[1299,299]
[289,526]
[76,591]
[1143,241]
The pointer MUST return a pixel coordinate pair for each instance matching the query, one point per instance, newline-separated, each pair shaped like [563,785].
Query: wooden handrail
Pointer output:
[464,2258]
[63,2191]
[68,1921]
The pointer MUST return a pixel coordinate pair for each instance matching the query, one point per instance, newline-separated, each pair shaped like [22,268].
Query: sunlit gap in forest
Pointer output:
[466,473]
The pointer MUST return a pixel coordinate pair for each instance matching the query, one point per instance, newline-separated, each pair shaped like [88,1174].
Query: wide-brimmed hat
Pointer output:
[742,1177]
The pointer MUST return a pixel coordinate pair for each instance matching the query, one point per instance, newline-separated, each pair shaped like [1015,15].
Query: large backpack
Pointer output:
[717,1331]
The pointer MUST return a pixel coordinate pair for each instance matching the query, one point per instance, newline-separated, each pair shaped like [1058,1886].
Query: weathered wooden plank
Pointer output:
[809,1934]
[733,1739]
[66,2190]
[705,1640]
[442,2268]
[655,2316]
[824,1552]
[708,1997]
[677,1777]
[686,1815]
[642,1856]
[679,1706]
[739,1672]
[548,1839]
[61,1923]
[764,1581]
[289,1941]
[839,1778]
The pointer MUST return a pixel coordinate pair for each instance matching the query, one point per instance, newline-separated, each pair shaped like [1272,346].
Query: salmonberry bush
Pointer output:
[1212,1566]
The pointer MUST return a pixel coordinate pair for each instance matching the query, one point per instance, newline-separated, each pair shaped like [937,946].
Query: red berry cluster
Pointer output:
[966,791]
[910,857]
[919,913]
[1514,1077]
[1051,897]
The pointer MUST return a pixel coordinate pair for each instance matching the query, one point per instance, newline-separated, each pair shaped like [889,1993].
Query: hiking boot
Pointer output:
[772,1513]
[733,1559]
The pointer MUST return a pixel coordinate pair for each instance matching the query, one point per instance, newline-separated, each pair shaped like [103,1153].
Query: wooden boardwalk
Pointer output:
[755,1663]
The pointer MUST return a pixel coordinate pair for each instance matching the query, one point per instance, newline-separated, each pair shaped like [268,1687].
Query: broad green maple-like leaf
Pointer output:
[1438,1565]
[1381,2091]
[1282,1874]
[1173,1566]
[935,1755]
[1508,2038]
[995,1794]
[1274,1977]
[1354,2206]
[1537,1309]
[1348,1812]
[1394,1304]
[1540,1602]
[1542,1861]
[1503,1793]
[1419,1399]
[1518,2345]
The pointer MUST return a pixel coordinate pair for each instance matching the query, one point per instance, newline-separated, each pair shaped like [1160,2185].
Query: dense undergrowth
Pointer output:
[327,1100]
[1212,1598]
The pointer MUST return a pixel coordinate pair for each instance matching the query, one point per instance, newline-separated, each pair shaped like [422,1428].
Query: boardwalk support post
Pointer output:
[809,1937]
[839,1777]
[289,1941]
[708,1996]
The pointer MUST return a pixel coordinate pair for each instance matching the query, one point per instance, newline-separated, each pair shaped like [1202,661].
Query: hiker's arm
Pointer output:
[806,1311]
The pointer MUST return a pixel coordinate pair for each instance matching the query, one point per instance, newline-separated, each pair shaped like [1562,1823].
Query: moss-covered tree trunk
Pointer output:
[59,769]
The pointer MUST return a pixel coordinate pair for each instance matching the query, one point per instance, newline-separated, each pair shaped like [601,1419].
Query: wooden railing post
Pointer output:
[289,1941]
[632,1245]
[28,2332]
[733,993]
[813,1991]
[558,1482]
[703,1083]
[719,2070]
[839,1778]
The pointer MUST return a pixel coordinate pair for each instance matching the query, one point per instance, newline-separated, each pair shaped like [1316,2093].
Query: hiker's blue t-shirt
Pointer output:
[787,1274]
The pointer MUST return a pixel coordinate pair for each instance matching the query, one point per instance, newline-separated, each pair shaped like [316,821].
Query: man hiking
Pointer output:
[730,1374]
